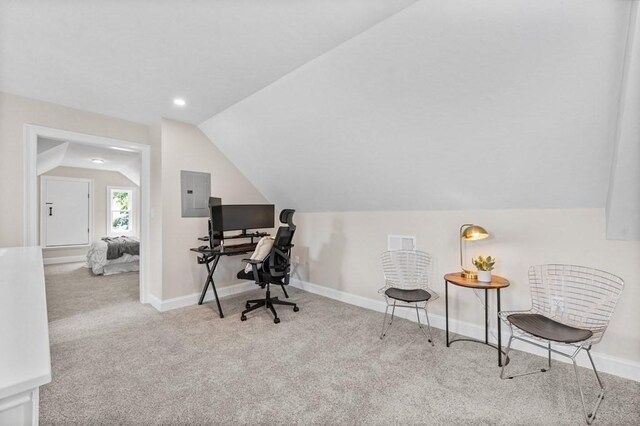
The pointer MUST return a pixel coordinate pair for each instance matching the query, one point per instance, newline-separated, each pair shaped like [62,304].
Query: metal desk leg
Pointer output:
[486,317]
[206,285]
[215,292]
[499,331]
[446,308]
[211,270]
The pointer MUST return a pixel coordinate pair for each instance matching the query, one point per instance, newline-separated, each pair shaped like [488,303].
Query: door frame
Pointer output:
[42,213]
[32,206]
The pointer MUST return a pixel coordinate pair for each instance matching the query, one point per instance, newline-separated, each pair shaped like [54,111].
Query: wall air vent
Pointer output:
[401,242]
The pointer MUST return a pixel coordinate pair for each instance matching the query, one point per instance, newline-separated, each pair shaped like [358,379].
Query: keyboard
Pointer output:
[226,249]
[239,248]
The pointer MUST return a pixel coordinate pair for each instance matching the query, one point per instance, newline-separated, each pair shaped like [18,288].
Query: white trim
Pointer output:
[64,259]
[155,302]
[606,363]
[192,299]
[30,221]
[42,211]
[133,211]
[14,401]
[35,406]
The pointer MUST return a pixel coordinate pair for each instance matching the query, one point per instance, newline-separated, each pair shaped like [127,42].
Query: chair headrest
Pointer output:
[286,216]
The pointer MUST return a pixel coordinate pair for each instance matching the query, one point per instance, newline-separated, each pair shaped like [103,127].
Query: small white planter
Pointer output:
[484,276]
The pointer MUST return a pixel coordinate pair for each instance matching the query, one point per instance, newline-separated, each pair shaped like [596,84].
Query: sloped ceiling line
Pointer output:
[52,154]
[51,158]
[444,105]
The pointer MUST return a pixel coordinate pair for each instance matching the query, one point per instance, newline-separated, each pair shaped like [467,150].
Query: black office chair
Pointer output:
[275,269]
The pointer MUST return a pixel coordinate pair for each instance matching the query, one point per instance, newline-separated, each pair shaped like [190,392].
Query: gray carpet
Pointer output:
[118,362]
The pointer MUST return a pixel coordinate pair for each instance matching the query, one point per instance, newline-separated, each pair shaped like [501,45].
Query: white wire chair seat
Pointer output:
[571,306]
[407,274]
[576,296]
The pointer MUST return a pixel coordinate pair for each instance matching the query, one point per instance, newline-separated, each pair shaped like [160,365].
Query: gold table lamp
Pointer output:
[470,232]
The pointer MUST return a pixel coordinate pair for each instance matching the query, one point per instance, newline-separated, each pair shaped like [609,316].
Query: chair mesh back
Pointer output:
[575,295]
[407,269]
[278,265]
[283,237]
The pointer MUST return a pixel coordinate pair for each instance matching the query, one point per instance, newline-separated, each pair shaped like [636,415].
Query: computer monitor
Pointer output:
[241,217]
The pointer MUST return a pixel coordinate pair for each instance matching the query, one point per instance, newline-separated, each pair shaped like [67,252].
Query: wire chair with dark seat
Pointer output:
[275,269]
[571,308]
[407,275]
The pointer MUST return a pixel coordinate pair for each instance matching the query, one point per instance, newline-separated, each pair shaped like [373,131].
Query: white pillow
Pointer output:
[262,250]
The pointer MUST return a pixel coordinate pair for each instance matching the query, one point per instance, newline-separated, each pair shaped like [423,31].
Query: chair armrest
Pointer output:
[254,270]
[253,261]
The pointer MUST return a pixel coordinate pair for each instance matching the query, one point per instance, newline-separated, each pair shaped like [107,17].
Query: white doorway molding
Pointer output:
[31,204]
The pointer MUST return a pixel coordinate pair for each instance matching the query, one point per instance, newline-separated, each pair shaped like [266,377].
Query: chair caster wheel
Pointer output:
[296,309]
[276,320]
[247,306]
[243,318]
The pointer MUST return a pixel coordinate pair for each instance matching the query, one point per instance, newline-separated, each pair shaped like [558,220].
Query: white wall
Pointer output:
[175,146]
[185,147]
[341,251]
[15,112]
[101,180]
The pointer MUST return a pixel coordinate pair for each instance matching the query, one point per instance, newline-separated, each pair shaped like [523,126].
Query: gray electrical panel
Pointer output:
[195,190]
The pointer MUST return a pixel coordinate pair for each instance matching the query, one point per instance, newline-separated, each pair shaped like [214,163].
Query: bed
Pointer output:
[102,260]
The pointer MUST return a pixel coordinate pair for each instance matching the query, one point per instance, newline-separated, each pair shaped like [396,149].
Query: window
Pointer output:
[120,214]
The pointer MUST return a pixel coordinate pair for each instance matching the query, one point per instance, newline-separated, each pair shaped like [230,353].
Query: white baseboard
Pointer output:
[609,364]
[66,259]
[192,299]
[155,302]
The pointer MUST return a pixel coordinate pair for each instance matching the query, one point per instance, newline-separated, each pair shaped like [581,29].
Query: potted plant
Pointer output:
[485,266]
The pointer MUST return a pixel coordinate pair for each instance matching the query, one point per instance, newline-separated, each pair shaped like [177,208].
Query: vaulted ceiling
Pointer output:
[129,59]
[364,104]
[56,153]
[451,104]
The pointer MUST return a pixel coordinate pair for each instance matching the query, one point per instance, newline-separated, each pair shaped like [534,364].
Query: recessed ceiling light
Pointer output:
[97,160]
[179,102]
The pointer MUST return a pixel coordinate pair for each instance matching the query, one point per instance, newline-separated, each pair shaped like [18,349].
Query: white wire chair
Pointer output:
[571,307]
[407,275]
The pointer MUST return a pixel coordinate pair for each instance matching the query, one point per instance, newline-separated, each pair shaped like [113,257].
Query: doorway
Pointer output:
[32,226]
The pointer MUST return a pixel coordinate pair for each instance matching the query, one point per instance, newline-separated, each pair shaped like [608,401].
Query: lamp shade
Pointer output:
[474,232]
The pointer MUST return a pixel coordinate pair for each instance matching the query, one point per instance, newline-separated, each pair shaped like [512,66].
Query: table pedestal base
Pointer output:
[505,361]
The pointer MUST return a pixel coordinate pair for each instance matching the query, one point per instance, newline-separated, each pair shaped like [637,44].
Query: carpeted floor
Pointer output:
[118,362]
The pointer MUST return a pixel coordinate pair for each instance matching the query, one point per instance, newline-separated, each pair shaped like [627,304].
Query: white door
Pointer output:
[66,211]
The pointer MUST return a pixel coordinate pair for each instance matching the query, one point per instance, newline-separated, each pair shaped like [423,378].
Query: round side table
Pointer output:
[496,284]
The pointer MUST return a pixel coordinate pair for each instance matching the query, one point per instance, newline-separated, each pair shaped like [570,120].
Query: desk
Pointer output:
[496,284]
[209,256]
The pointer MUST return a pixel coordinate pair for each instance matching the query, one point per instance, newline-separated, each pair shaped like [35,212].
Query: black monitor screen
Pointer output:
[235,217]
